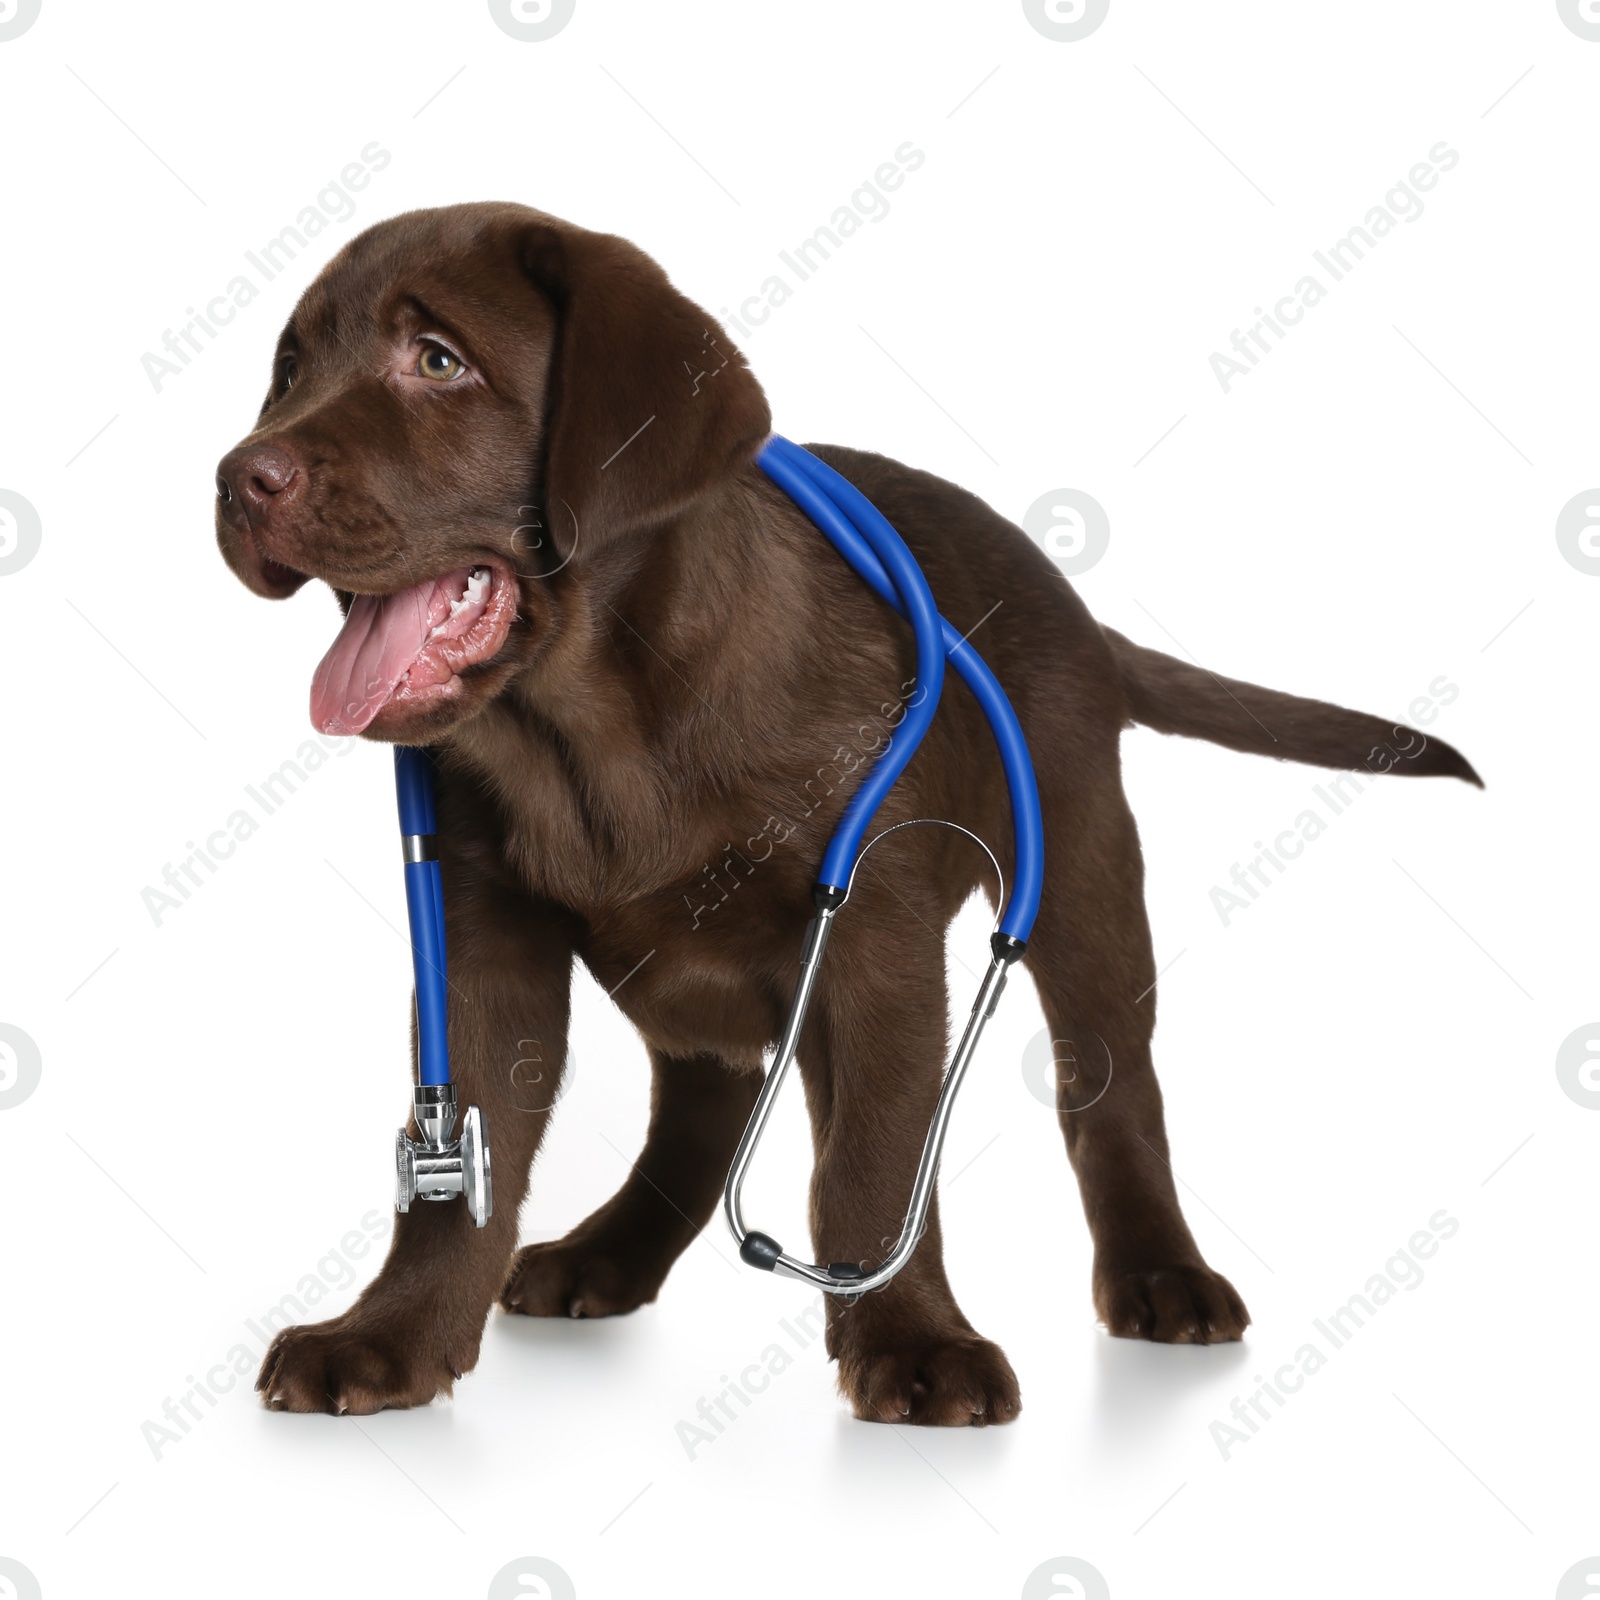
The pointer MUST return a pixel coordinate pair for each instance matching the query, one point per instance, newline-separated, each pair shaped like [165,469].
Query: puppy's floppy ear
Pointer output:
[649,403]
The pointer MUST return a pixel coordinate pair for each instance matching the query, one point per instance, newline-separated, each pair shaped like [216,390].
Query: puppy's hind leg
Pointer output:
[1090,956]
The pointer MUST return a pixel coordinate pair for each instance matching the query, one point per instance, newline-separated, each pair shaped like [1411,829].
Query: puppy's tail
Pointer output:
[1172,696]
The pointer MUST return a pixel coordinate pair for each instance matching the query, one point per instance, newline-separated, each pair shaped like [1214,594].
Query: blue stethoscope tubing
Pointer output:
[413,781]
[862,535]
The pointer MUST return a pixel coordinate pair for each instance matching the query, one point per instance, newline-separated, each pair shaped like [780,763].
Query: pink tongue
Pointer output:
[381,638]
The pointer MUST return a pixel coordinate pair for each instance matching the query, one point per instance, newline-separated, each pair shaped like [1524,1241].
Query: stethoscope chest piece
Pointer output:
[439,1167]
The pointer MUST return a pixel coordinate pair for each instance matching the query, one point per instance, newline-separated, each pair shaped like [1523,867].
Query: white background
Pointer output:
[1372,1041]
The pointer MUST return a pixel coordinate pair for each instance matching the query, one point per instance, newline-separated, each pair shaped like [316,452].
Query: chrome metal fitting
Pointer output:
[437,1166]
[433,1105]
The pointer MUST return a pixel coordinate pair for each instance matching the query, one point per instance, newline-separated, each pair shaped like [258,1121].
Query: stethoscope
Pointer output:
[439,1166]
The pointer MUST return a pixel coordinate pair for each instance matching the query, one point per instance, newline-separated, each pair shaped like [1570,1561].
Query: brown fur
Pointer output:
[692,686]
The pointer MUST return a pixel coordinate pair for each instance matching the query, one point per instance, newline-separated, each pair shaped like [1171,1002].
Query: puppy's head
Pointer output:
[465,404]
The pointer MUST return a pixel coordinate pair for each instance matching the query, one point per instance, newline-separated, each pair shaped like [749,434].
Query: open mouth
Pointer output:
[412,647]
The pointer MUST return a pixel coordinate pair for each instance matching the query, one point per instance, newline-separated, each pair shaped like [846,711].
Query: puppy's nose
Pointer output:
[254,478]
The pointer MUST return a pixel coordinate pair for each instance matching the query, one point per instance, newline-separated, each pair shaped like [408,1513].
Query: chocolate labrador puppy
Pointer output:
[524,464]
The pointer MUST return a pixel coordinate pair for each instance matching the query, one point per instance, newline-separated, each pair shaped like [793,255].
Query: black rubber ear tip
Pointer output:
[760,1250]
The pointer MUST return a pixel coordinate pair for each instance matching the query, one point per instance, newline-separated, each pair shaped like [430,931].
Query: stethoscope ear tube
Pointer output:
[863,536]
[413,778]
[849,1279]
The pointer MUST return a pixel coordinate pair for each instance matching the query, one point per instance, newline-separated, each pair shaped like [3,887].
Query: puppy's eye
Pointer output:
[439,364]
[288,371]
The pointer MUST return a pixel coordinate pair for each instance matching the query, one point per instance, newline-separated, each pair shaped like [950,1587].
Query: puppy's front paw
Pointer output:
[959,1381]
[573,1277]
[349,1365]
[1171,1305]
